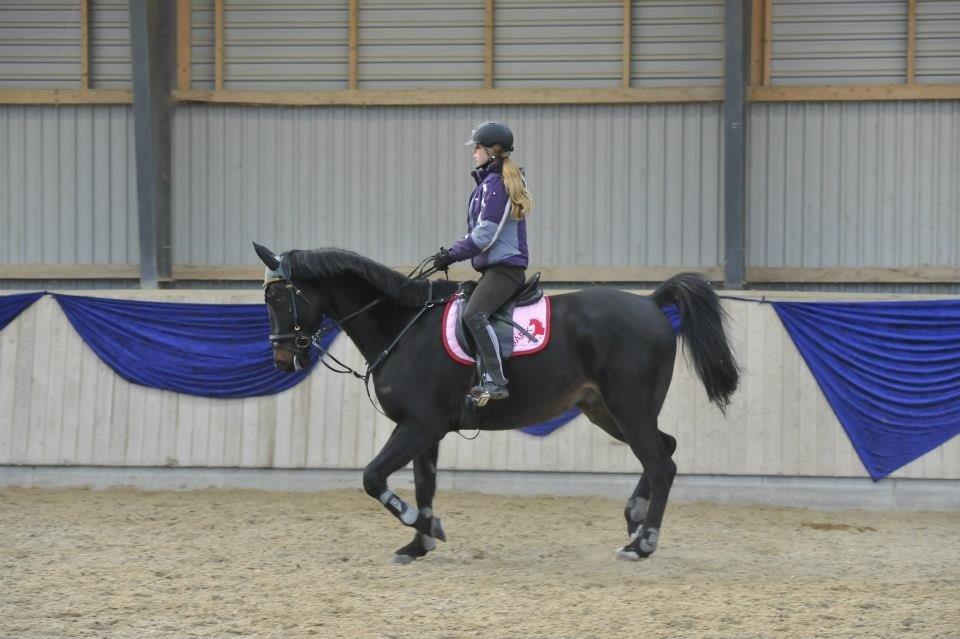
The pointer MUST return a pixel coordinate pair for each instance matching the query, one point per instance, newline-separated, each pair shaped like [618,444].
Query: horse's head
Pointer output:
[293,318]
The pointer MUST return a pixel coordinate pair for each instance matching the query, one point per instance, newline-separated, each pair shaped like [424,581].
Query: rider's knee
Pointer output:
[476,319]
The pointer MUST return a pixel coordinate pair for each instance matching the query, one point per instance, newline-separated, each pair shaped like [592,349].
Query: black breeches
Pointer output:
[495,287]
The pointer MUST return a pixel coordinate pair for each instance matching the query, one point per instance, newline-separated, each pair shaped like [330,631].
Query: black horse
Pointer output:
[611,354]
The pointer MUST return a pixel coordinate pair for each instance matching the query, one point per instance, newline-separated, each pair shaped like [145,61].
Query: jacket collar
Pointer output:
[481,172]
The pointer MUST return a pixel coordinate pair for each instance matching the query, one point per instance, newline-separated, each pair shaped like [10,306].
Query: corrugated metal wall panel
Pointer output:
[938,41]
[285,45]
[110,55]
[201,44]
[67,185]
[615,185]
[40,44]
[676,43]
[845,42]
[854,184]
[433,43]
[572,43]
[64,406]
[420,43]
[834,184]
[280,44]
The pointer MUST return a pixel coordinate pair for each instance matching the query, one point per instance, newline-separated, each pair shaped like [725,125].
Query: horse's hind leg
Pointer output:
[425,481]
[635,512]
[638,424]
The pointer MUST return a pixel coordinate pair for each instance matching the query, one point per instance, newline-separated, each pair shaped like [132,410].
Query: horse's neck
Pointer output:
[373,329]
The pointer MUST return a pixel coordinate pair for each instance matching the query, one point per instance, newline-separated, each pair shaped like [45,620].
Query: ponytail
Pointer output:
[517,191]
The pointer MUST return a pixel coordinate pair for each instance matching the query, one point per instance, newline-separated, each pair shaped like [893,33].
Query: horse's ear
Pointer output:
[268,256]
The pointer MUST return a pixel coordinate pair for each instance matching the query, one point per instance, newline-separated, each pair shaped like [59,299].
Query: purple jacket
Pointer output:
[494,235]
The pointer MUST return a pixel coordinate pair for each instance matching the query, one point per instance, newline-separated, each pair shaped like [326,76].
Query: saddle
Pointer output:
[503,320]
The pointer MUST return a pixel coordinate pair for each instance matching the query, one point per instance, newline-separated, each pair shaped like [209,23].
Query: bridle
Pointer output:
[299,338]
[303,341]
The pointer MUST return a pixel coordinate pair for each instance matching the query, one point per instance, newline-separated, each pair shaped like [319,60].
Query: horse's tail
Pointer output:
[702,330]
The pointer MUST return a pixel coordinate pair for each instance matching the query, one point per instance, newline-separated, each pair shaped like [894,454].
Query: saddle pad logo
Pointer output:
[535,318]
[535,328]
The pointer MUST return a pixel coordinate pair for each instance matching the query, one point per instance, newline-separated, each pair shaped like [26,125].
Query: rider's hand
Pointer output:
[442,260]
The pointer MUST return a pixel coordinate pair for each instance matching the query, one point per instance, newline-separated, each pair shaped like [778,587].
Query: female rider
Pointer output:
[496,244]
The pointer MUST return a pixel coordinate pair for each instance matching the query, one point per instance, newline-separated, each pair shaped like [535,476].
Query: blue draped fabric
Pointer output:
[673,314]
[890,371]
[541,430]
[210,350]
[12,305]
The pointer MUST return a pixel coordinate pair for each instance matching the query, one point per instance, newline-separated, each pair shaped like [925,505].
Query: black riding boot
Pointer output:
[494,384]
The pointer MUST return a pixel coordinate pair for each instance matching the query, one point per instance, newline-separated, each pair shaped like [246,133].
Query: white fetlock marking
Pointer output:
[428,543]
[638,511]
[648,543]
[627,555]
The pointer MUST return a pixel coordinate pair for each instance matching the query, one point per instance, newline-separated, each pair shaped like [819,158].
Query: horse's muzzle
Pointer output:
[289,362]
[300,361]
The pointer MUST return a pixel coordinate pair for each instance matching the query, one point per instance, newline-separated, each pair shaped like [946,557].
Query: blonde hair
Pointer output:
[517,190]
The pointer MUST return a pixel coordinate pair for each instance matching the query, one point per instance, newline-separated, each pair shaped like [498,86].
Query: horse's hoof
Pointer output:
[436,529]
[631,553]
[626,554]
[419,547]
[403,559]
[642,544]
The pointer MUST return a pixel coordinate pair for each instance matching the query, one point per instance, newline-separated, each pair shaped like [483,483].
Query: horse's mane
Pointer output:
[329,263]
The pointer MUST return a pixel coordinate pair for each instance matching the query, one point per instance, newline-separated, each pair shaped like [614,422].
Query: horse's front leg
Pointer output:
[425,481]
[406,442]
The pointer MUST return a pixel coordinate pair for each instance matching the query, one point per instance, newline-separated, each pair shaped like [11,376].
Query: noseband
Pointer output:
[300,340]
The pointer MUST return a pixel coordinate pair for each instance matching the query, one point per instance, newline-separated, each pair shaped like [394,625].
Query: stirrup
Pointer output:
[487,391]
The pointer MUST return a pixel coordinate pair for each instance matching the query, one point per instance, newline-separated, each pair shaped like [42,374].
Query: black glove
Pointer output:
[442,260]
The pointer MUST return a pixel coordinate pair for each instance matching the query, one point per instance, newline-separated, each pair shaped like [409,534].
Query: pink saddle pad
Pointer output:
[535,318]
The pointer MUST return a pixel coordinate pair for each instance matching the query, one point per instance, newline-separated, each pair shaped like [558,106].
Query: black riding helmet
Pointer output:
[489,133]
